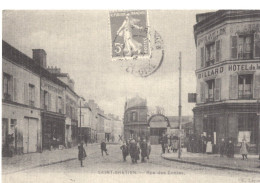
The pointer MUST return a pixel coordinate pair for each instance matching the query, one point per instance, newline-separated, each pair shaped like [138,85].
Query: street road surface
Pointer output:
[111,168]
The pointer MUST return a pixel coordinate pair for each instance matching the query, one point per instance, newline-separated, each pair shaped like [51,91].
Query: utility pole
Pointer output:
[80,120]
[180,117]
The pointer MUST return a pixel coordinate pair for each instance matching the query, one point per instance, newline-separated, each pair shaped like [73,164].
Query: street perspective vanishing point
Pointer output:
[112,95]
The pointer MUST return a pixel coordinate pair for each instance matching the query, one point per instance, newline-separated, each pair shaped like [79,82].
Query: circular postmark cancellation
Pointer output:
[135,45]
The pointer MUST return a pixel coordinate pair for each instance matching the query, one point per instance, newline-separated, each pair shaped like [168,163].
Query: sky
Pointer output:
[79,43]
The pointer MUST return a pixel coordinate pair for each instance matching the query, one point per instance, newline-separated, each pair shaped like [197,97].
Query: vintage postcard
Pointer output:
[131,96]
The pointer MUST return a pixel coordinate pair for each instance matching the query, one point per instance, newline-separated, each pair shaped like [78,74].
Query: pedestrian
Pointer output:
[133,149]
[230,149]
[103,147]
[149,149]
[222,147]
[143,147]
[125,151]
[82,153]
[209,145]
[244,149]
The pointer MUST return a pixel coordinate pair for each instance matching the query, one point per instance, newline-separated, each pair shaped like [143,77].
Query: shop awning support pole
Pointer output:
[180,117]
[80,120]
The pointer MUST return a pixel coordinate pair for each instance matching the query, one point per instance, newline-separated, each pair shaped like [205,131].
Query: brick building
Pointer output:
[228,76]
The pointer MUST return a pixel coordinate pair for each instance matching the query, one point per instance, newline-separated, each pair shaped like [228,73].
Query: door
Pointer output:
[33,138]
[30,137]
[25,135]
[4,133]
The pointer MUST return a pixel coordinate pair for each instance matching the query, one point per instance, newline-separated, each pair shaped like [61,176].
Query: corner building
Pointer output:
[228,77]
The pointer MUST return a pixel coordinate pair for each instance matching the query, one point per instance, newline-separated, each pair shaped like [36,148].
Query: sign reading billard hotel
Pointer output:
[228,77]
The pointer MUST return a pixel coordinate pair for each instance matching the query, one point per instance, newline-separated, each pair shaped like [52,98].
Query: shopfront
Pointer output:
[53,130]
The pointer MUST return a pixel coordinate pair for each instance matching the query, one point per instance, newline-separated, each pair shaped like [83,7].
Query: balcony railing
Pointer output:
[242,95]
[7,96]
[31,103]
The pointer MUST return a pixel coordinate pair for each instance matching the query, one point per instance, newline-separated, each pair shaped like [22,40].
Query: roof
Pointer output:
[12,54]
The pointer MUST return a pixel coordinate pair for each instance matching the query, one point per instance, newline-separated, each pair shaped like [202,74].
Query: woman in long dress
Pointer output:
[243,149]
[209,145]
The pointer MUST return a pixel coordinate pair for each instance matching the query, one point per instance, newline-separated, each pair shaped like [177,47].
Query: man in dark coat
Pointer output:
[103,148]
[125,151]
[133,150]
[230,149]
[222,147]
[82,153]
[143,147]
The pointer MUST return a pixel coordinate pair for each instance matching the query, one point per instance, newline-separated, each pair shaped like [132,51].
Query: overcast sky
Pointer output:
[78,42]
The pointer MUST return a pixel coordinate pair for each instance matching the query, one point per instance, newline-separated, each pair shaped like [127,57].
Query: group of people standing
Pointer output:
[134,148]
[169,142]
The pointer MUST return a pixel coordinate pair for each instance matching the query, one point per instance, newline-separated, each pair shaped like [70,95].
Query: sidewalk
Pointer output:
[215,161]
[33,160]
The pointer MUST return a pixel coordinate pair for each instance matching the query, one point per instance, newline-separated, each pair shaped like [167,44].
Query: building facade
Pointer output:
[228,76]
[21,115]
[135,118]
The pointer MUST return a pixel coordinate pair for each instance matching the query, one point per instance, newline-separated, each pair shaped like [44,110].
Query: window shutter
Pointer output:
[49,101]
[257,86]
[10,88]
[62,106]
[42,99]
[217,92]
[233,86]
[257,45]
[233,47]
[56,104]
[26,93]
[218,50]
[202,92]
[202,56]
[15,89]
[206,91]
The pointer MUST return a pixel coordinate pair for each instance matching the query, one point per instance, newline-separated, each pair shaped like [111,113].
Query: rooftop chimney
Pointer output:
[39,55]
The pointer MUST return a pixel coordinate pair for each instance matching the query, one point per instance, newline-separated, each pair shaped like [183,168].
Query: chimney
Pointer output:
[39,55]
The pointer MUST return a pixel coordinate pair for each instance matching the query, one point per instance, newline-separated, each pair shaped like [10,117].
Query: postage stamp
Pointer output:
[129,33]
[135,44]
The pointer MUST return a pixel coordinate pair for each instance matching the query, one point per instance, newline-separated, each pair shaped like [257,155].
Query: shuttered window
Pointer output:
[202,92]
[15,89]
[234,47]
[233,86]
[257,45]
[26,94]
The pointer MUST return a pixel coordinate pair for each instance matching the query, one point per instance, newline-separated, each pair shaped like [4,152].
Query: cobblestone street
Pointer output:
[112,166]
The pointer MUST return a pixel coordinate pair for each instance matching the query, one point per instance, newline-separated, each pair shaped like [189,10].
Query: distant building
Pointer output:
[228,76]
[135,118]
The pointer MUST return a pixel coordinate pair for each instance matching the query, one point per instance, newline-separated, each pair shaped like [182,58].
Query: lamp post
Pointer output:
[180,117]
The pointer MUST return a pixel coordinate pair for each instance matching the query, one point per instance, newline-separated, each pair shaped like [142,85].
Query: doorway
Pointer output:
[30,135]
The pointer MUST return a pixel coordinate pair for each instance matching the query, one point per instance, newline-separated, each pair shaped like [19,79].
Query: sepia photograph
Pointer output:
[121,94]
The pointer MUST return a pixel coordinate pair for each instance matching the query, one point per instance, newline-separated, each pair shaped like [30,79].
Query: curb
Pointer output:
[210,165]
[41,165]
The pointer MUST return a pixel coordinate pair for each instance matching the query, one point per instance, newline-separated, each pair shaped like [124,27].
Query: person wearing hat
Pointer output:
[244,149]
[81,154]
[103,147]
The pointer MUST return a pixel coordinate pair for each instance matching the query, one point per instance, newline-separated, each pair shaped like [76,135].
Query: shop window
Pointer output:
[7,86]
[210,54]
[245,84]
[211,87]
[31,95]
[248,123]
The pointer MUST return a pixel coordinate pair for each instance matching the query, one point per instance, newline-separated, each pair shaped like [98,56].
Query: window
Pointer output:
[60,105]
[134,116]
[245,47]
[245,84]
[211,87]
[210,54]
[257,45]
[7,86]
[31,95]
[234,47]
[248,122]
[218,50]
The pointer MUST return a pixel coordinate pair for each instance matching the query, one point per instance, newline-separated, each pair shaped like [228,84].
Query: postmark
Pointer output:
[134,43]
